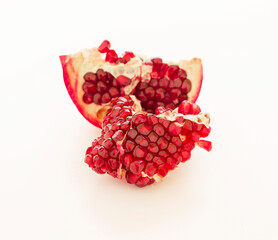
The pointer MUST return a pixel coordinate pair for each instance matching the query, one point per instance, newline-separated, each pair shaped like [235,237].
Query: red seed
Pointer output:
[174,129]
[158,160]
[150,169]
[139,152]
[114,92]
[108,143]
[137,167]
[149,157]
[106,98]
[98,161]
[162,143]
[111,56]
[139,118]
[185,155]
[114,152]
[127,56]
[113,163]
[123,80]
[118,136]
[144,129]
[89,160]
[144,181]
[90,77]
[153,148]
[132,178]
[104,46]
[172,148]
[88,98]
[153,137]
[159,129]
[129,146]
[163,170]
[207,145]
[132,133]
[141,141]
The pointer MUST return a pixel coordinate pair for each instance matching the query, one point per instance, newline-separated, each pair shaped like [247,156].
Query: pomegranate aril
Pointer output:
[127,56]
[158,160]
[98,161]
[153,137]
[182,74]
[113,163]
[174,130]
[101,75]
[144,181]
[172,148]
[154,82]
[97,98]
[132,178]
[132,133]
[149,92]
[163,154]
[151,169]
[106,98]
[205,131]
[141,86]
[102,152]
[89,160]
[205,145]
[118,136]
[153,148]
[177,141]
[104,46]
[186,86]
[90,77]
[108,143]
[144,129]
[176,83]
[163,170]
[123,80]
[89,87]
[139,118]
[139,152]
[141,141]
[162,143]
[159,129]
[149,157]
[129,146]
[88,98]
[114,152]
[173,71]
[101,86]
[185,155]
[164,82]
[136,167]
[111,56]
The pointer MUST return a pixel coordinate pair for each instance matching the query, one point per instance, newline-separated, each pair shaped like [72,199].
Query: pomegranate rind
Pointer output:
[71,65]
[194,70]
[75,65]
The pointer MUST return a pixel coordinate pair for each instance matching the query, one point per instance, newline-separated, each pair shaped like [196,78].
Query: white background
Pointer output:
[47,192]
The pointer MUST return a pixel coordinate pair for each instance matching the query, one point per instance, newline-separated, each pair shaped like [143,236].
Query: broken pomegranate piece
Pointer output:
[143,147]
[94,77]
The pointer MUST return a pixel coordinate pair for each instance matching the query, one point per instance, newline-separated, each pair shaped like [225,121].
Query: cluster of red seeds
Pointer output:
[150,144]
[103,155]
[101,87]
[112,56]
[168,87]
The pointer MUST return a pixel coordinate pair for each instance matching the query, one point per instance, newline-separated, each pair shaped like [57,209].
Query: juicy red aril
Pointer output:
[111,56]
[205,145]
[139,118]
[123,80]
[151,169]
[144,181]
[141,141]
[139,152]
[132,178]
[163,170]
[97,87]
[127,56]
[144,128]
[104,46]
[136,167]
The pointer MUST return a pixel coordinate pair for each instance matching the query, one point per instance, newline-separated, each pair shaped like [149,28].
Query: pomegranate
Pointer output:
[143,147]
[94,77]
